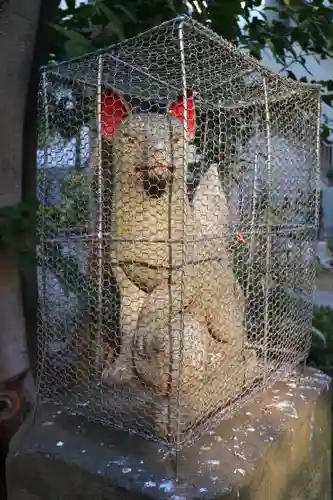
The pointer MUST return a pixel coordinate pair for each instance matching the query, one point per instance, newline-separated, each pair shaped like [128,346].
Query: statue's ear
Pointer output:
[176,109]
[114,109]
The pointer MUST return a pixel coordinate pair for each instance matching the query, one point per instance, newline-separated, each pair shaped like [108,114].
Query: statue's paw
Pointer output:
[109,353]
[107,377]
[117,372]
[152,371]
[147,341]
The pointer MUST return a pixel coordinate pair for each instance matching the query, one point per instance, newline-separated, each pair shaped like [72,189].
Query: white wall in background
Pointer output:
[316,69]
[328,211]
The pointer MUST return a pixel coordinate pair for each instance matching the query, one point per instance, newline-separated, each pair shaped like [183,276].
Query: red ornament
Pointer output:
[177,109]
[114,109]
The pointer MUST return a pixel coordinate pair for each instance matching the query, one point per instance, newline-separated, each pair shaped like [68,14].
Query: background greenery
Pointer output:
[322,352]
[299,30]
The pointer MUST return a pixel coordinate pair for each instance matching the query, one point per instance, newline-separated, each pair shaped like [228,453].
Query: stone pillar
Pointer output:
[278,447]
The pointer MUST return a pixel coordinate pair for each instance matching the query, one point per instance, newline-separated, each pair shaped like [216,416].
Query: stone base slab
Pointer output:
[278,447]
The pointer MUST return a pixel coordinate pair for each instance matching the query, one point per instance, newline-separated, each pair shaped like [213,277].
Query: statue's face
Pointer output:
[152,145]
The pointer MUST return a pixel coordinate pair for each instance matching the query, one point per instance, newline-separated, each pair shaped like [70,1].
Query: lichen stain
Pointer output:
[167,486]
[149,484]
[285,406]
[241,471]
[213,462]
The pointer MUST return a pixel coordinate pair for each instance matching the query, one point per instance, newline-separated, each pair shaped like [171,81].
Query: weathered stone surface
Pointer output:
[276,448]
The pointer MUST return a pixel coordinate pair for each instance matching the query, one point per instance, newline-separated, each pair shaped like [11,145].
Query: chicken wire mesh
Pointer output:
[177,224]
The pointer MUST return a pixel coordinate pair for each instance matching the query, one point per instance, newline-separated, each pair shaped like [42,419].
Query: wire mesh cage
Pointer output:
[177,223]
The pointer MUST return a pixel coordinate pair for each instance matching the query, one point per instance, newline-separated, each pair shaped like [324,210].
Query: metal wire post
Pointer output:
[181,343]
[99,346]
[43,199]
[268,229]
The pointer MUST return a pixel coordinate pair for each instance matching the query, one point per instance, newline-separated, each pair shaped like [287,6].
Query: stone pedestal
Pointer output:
[276,448]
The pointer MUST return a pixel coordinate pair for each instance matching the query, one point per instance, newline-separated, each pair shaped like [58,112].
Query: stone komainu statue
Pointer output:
[179,297]
[206,282]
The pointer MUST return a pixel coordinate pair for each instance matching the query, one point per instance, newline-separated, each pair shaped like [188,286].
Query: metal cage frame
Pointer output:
[262,98]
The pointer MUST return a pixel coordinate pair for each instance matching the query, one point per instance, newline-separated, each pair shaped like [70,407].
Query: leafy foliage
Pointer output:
[65,267]
[322,352]
[298,29]
[71,213]
[73,210]
[102,22]
[83,28]
[18,230]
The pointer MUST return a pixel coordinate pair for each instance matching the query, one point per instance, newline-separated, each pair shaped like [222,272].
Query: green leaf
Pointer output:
[328,84]
[272,9]
[328,99]
[70,5]
[114,26]
[74,49]
[319,335]
[129,14]
[77,37]
[172,5]
[60,29]
[77,44]
[291,75]
[96,31]
[255,51]
[325,133]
